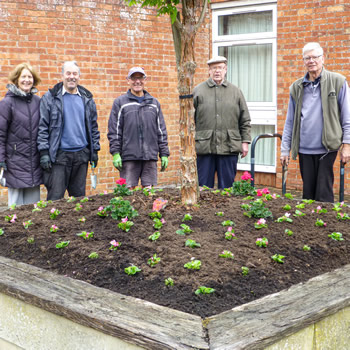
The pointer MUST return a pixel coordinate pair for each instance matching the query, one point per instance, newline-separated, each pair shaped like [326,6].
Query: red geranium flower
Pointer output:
[121,181]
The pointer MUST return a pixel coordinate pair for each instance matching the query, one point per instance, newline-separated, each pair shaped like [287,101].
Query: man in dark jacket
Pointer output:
[137,133]
[68,135]
[222,126]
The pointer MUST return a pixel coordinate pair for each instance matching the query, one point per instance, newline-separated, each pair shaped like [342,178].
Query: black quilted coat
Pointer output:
[19,121]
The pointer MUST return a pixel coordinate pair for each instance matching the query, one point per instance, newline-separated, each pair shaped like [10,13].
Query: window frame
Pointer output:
[262,113]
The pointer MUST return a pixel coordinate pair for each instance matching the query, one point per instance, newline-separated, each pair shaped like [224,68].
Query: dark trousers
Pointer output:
[318,177]
[67,173]
[225,166]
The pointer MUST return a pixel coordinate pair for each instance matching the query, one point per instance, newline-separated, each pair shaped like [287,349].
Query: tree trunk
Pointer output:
[184,47]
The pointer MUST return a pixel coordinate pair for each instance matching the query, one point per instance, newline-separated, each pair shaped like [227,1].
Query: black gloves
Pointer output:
[3,165]
[45,162]
[95,159]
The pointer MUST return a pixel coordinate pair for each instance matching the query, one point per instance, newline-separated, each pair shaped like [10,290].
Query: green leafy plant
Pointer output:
[258,210]
[54,213]
[153,260]
[71,199]
[262,242]
[119,208]
[320,210]
[219,213]
[306,248]
[62,244]
[30,240]
[155,215]
[187,217]
[41,204]
[338,206]
[93,255]
[125,224]
[337,236]
[150,191]
[288,232]
[245,270]
[28,223]
[243,187]
[121,189]
[204,290]
[230,234]
[192,244]
[85,235]
[299,213]
[193,265]
[103,212]
[226,254]
[132,270]
[78,207]
[343,216]
[228,223]
[278,258]
[169,282]
[54,228]
[245,206]
[184,229]
[300,206]
[289,196]
[11,218]
[287,207]
[84,200]
[1,231]
[308,201]
[82,219]
[36,208]
[154,236]
[261,223]
[285,217]
[157,224]
[114,245]
[320,223]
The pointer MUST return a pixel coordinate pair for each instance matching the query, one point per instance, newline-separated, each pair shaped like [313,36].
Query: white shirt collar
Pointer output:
[64,91]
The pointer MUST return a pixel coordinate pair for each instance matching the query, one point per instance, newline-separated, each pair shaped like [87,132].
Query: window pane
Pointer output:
[245,23]
[264,148]
[250,68]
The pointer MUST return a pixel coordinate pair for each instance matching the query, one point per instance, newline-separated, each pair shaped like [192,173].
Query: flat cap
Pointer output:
[217,59]
[136,70]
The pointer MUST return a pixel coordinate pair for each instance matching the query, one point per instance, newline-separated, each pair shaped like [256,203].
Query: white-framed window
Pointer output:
[245,32]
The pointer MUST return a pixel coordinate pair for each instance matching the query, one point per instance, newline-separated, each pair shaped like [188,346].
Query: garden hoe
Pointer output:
[2,179]
[93,176]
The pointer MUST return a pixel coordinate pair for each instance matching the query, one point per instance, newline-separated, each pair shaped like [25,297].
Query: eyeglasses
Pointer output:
[309,58]
[217,68]
[138,78]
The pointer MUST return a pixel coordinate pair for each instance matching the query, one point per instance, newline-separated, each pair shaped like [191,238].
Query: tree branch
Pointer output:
[202,15]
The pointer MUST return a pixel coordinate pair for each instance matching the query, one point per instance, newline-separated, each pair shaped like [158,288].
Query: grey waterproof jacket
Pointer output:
[137,130]
[19,120]
[51,121]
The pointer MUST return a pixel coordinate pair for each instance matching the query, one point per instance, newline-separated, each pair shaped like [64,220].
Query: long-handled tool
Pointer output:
[341,184]
[2,179]
[93,176]
[284,178]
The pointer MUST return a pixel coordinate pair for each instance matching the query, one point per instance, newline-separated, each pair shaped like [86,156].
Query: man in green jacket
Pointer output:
[222,126]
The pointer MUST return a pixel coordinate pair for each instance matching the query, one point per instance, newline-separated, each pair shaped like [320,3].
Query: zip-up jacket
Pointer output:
[52,119]
[136,130]
[222,118]
[19,120]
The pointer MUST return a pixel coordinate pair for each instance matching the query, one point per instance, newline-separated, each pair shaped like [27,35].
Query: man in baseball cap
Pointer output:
[222,123]
[137,133]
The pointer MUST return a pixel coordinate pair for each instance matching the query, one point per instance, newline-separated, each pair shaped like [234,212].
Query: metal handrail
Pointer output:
[252,158]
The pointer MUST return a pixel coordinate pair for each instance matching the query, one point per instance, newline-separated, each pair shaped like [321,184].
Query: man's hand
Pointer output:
[45,162]
[345,153]
[284,160]
[245,149]
[117,161]
[165,162]
[3,165]
[94,160]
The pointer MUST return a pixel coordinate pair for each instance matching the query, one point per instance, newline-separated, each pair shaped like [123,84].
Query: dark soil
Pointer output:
[224,275]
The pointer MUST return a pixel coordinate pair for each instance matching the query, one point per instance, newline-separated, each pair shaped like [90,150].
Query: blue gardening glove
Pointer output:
[3,165]
[165,162]
[117,161]
[45,162]
[94,160]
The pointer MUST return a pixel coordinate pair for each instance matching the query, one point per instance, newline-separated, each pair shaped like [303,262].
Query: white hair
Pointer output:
[67,63]
[312,46]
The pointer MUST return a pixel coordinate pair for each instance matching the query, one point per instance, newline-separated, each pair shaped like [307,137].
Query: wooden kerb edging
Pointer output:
[251,326]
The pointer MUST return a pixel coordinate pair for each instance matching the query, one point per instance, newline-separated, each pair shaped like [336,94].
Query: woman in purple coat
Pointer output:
[19,120]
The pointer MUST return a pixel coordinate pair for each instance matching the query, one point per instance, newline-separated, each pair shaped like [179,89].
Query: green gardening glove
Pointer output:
[117,161]
[164,163]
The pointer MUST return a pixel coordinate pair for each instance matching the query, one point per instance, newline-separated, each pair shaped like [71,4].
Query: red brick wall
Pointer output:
[299,22]
[106,38]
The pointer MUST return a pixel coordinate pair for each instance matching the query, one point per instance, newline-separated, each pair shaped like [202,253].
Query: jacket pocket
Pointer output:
[234,141]
[203,139]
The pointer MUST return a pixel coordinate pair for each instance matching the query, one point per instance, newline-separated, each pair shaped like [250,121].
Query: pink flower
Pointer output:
[54,227]
[229,229]
[125,219]
[87,234]
[246,176]
[52,210]
[287,215]
[100,208]
[259,193]
[121,181]
[261,222]
[265,190]
[13,218]
[114,243]
[274,196]
[319,207]
[162,221]
[105,191]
